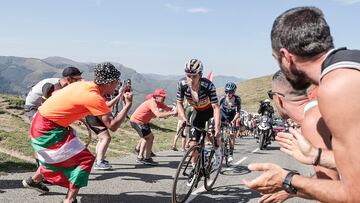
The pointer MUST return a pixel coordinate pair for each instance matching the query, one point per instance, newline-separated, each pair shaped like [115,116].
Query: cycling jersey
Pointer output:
[229,108]
[340,58]
[206,94]
[203,110]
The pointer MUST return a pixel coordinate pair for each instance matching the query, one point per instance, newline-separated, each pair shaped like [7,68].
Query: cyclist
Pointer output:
[230,106]
[201,95]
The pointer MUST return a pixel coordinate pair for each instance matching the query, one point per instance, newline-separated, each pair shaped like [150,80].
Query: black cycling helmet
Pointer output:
[194,66]
[230,87]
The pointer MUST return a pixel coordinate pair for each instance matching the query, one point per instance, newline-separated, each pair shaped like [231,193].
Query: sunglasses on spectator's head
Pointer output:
[271,94]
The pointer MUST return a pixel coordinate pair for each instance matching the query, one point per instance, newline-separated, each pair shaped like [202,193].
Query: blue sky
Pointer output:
[231,37]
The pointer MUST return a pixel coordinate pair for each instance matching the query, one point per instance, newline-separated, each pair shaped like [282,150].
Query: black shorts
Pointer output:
[199,119]
[95,124]
[142,129]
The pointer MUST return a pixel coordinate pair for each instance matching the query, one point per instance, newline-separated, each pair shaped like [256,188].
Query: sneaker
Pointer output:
[104,165]
[152,154]
[218,156]
[46,182]
[230,158]
[40,187]
[136,151]
[183,150]
[139,159]
[149,161]
[174,148]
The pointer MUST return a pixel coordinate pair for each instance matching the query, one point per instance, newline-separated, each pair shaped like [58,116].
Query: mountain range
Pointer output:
[19,74]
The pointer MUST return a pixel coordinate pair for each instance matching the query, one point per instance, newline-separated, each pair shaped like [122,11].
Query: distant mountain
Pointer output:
[18,75]
[218,80]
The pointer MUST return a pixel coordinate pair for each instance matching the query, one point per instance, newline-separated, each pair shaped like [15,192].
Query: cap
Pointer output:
[105,73]
[71,71]
[160,92]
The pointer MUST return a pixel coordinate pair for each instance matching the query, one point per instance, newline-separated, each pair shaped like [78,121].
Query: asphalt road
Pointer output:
[133,182]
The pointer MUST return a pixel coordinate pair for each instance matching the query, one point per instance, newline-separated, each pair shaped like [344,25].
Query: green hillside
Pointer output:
[14,127]
[251,92]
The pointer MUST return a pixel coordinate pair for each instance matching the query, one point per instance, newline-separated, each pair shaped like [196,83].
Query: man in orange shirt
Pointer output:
[140,122]
[64,160]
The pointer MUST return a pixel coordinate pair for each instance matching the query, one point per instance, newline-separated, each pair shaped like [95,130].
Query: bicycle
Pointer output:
[187,177]
[225,130]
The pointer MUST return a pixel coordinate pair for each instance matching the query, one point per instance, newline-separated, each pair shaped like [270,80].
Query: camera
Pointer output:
[127,85]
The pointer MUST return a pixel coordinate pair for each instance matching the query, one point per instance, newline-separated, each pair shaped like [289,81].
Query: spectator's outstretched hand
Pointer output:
[270,181]
[277,197]
[296,145]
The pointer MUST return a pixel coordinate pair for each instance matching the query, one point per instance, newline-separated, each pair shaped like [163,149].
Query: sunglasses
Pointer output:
[229,92]
[271,94]
[192,75]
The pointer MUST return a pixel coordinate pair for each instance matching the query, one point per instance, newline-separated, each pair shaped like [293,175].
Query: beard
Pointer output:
[298,79]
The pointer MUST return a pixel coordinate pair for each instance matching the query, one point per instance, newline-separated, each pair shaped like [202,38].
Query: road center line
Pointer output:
[202,188]
[255,150]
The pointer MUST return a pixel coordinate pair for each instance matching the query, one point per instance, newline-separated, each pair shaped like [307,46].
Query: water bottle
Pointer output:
[206,156]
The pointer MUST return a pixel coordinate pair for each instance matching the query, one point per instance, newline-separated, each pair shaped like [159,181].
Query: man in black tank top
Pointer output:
[303,46]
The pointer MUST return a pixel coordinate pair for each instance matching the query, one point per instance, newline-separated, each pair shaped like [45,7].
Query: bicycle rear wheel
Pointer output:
[186,176]
[211,174]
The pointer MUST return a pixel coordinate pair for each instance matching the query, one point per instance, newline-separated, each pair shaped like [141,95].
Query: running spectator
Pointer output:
[140,121]
[64,159]
[42,91]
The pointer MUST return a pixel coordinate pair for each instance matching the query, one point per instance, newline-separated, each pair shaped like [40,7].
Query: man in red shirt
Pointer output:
[140,122]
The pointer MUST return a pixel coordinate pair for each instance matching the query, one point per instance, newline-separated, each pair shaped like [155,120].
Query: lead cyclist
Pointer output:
[201,95]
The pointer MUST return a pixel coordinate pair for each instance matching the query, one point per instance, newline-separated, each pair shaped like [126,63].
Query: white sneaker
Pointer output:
[218,156]
[230,158]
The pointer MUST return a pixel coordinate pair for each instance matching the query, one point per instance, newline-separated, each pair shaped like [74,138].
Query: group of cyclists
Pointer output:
[52,106]
[303,47]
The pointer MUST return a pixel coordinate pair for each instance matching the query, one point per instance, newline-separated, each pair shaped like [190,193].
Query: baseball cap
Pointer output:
[71,71]
[160,92]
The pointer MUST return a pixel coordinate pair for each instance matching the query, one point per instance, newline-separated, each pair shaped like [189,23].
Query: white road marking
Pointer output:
[255,150]
[202,188]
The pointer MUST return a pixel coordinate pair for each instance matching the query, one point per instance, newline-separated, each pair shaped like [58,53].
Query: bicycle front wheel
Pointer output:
[186,176]
[211,173]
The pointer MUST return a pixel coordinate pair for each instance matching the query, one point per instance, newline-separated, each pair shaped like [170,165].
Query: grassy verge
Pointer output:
[10,164]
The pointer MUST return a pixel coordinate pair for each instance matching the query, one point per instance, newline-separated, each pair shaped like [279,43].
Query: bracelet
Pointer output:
[317,159]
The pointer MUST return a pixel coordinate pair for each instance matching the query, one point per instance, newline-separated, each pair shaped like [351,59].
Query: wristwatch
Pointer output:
[287,183]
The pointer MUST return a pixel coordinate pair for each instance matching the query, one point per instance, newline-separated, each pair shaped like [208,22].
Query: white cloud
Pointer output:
[172,7]
[347,2]
[198,10]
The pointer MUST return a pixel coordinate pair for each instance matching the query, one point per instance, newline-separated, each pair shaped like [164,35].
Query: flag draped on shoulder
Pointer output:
[64,159]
